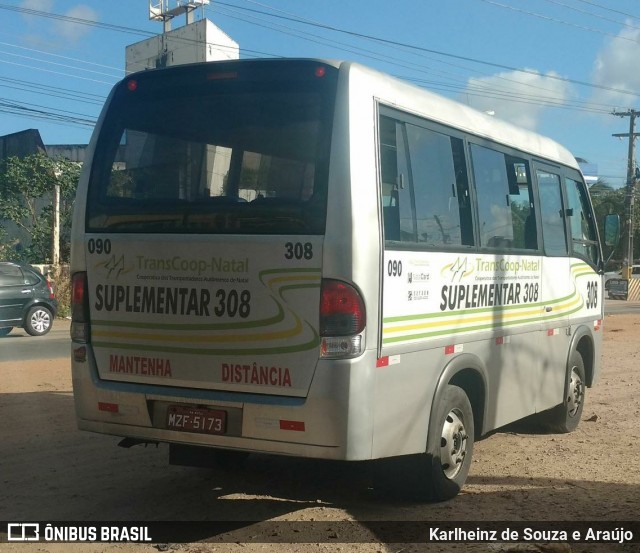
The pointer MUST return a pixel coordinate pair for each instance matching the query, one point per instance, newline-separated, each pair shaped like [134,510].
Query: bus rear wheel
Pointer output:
[439,473]
[449,451]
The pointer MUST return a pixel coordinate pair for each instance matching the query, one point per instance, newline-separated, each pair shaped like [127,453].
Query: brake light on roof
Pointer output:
[132,85]
[229,75]
[320,71]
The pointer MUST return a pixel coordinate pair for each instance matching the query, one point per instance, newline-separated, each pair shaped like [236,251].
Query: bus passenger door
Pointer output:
[557,287]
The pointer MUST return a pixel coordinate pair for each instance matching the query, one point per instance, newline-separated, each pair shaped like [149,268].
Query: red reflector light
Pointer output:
[108,407]
[292,425]
[341,309]
[456,348]
[132,85]
[320,72]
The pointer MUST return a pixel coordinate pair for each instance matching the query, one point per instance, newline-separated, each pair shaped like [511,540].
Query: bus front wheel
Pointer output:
[565,417]
[449,450]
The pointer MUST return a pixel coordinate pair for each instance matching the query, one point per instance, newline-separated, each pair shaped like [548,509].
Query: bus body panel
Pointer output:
[210,312]
[331,422]
[510,318]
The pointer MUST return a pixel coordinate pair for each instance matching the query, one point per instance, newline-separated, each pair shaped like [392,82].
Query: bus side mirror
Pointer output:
[611,230]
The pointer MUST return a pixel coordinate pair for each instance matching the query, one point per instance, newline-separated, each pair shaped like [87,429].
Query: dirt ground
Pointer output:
[51,471]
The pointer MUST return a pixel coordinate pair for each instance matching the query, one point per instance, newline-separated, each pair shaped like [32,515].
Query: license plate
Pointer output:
[196,419]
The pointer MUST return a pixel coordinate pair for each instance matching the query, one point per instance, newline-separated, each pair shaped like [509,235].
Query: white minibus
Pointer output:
[312,258]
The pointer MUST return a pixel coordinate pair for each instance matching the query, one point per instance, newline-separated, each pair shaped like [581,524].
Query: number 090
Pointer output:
[99,246]
[394,267]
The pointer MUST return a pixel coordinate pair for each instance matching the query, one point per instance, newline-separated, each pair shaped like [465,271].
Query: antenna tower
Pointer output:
[159,10]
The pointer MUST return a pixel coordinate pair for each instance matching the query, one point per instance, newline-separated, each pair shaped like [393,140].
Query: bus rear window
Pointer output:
[223,157]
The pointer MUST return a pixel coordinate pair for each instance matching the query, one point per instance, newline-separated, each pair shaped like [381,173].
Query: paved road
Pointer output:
[49,470]
[616,307]
[18,345]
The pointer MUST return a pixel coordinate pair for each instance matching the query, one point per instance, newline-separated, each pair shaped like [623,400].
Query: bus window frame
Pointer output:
[403,118]
[510,152]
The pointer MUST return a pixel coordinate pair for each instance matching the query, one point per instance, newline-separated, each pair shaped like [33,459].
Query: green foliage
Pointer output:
[607,200]
[26,193]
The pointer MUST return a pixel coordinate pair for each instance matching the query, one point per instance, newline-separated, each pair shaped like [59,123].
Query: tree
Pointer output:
[610,201]
[601,186]
[26,192]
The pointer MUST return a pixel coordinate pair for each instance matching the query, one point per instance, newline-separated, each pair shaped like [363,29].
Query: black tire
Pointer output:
[38,321]
[434,475]
[449,450]
[565,417]
[5,330]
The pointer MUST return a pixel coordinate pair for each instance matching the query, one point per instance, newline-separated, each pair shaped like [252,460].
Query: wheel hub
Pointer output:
[453,444]
[575,393]
[40,321]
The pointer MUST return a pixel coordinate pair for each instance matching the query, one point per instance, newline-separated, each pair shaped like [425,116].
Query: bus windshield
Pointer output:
[188,151]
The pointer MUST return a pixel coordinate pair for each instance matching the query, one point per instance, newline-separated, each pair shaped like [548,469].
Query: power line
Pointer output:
[608,9]
[63,116]
[110,83]
[433,51]
[64,93]
[78,60]
[66,65]
[573,8]
[556,20]
[413,47]
[505,93]
[78,20]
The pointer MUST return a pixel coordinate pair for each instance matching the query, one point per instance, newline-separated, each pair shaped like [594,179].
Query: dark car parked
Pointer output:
[27,299]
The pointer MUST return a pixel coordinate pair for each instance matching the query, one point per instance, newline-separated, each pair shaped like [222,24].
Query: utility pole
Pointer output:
[55,246]
[55,256]
[630,189]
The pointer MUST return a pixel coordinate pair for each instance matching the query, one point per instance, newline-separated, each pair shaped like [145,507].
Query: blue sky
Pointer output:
[559,67]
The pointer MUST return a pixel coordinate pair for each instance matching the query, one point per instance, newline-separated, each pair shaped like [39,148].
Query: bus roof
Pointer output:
[422,102]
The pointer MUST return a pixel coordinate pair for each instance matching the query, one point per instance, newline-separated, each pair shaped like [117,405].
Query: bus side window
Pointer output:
[584,241]
[462,190]
[424,186]
[505,200]
[396,196]
[552,213]
[440,189]
[522,205]
[388,176]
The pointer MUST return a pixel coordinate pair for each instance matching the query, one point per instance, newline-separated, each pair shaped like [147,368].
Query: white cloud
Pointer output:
[72,31]
[40,5]
[616,67]
[59,32]
[516,96]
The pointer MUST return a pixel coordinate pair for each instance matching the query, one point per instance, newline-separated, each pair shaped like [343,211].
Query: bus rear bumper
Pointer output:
[317,426]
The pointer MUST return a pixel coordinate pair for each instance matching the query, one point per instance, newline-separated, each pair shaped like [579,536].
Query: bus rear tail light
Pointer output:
[342,320]
[79,308]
